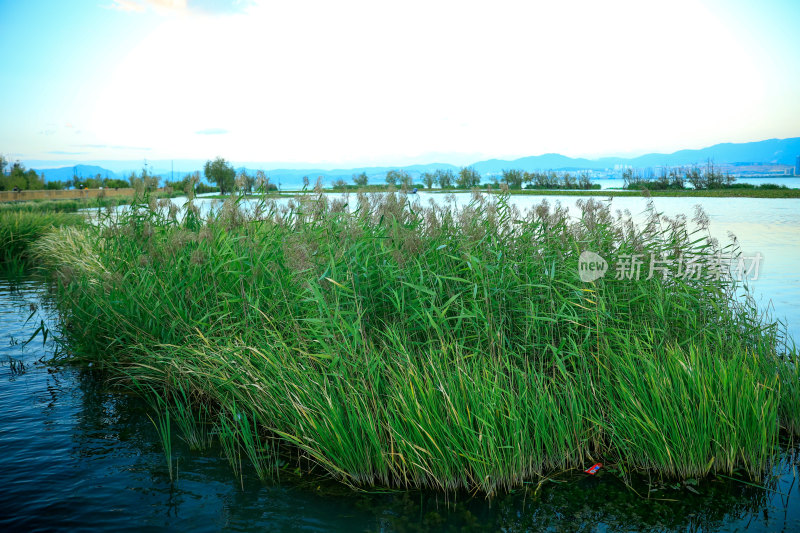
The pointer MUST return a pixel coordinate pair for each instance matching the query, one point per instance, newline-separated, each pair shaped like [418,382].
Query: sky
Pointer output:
[392,83]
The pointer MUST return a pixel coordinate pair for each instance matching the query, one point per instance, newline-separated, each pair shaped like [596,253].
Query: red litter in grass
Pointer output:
[593,470]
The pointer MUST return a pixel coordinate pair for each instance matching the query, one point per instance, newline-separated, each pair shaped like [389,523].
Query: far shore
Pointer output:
[689,193]
[121,195]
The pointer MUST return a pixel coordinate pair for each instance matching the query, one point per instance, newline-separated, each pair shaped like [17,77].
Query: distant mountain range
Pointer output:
[66,173]
[772,151]
[769,152]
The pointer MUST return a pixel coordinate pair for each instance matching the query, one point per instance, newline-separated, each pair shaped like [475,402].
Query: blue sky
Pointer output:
[359,83]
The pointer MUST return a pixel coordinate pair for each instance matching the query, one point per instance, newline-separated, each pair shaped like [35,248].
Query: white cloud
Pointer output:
[168,4]
[341,82]
[127,5]
[171,7]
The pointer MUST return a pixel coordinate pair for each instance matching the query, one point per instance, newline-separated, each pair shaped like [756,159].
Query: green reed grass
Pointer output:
[19,229]
[43,206]
[164,428]
[229,440]
[395,344]
[74,205]
[192,418]
[62,206]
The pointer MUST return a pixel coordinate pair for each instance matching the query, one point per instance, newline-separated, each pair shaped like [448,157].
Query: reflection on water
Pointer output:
[76,455]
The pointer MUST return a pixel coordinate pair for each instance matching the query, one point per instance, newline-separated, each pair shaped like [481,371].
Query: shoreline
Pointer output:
[713,193]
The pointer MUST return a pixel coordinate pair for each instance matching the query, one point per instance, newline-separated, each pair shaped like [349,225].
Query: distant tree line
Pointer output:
[468,178]
[221,172]
[226,180]
[518,179]
[677,178]
[16,176]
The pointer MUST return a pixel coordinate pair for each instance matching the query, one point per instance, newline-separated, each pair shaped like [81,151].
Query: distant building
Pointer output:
[797,166]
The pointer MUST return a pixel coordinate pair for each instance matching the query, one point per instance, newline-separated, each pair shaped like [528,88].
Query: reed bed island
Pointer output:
[388,343]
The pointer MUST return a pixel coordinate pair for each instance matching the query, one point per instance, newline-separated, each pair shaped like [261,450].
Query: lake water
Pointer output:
[77,456]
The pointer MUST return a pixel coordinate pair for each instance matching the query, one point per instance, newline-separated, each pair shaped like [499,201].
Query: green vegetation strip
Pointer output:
[411,347]
[22,223]
[707,193]
[19,229]
[604,193]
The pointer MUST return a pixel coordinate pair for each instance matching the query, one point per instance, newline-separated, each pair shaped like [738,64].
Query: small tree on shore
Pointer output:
[245,182]
[20,178]
[513,178]
[263,183]
[393,177]
[468,177]
[361,179]
[444,178]
[221,173]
